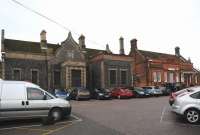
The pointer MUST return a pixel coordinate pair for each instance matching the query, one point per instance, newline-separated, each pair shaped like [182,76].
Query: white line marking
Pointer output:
[162,115]
[77,119]
[20,127]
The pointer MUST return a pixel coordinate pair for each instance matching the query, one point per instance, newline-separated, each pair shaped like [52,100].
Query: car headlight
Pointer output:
[100,94]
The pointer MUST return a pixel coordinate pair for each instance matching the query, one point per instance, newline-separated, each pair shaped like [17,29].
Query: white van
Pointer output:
[19,99]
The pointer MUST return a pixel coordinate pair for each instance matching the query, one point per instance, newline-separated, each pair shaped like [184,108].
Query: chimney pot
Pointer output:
[121,43]
[133,45]
[177,51]
[43,35]
[82,41]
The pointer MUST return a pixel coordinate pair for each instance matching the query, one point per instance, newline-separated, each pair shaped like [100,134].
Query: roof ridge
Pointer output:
[157,52]
[27,41]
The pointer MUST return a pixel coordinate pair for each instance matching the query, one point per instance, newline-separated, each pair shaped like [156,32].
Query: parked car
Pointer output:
[121,92]
[153,90]
[173,95]
[21,99]
[165,91]
[137,91]
[80,93]
[102,93]
[61,93]
[187,104]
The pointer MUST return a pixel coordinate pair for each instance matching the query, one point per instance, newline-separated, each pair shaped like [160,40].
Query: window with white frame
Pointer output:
[165,76]
[177,77]
[171,77]
[157,76]
[182,77]
[196,79]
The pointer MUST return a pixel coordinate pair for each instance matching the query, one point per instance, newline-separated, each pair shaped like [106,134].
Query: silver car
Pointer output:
[187,104]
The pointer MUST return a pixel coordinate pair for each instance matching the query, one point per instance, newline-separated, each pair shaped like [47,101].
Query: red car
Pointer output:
[121,93]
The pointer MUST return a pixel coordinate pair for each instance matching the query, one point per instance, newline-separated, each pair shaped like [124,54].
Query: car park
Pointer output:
[21,99]
[121,92]
[102,94]
[61,93]
[187,104]
[80,93]
[137,91]
[153,90]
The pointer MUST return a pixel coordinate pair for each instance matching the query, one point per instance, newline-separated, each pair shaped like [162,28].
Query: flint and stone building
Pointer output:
[62,65]
[72,64]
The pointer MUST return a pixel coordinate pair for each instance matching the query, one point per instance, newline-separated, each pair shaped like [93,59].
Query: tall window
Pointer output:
[177,77]
[56,78]
[35,76]
[171,77]
[157,76]
[17,74]
[113,76]
[165,76]
[123,74]
[182,78]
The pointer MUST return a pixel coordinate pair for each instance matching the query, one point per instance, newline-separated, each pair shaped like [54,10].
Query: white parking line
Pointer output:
[162,114]
[77,119]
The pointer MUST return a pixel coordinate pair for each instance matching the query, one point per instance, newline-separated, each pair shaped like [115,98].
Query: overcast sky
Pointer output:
[158,25]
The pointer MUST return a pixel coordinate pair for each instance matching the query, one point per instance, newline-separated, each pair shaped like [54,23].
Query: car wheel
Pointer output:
[192,116]
[119,97]
[56,114]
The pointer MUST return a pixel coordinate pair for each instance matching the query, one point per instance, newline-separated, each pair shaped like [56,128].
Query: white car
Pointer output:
[187,104]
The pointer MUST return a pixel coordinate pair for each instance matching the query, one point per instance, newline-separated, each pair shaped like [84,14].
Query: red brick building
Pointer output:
[153,68]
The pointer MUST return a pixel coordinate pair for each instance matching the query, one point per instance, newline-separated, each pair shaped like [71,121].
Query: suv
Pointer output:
[187,104]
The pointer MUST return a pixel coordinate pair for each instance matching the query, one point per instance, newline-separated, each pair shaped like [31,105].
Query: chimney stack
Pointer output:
[43,40]
[121,43]
[177,51]
[82,41]
[2,40]
[108,49]
[133,45]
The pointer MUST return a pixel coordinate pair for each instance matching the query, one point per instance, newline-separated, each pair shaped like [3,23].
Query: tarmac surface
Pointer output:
[137,116]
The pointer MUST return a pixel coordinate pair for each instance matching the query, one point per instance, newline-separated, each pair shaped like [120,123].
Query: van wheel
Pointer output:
[56,114]
[192,116]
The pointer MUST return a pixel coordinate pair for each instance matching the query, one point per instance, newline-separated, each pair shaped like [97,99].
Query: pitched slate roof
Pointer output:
[26,46]
[156,55]
[92,52]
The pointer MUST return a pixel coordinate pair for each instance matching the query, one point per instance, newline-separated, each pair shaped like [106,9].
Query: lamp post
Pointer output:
[43,44]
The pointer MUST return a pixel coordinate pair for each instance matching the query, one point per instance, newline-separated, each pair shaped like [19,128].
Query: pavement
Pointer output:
[141,116]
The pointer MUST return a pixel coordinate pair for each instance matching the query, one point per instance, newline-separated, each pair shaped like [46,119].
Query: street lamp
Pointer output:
[43,44]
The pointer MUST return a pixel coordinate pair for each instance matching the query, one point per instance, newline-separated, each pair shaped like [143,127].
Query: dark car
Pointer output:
[80,93]
[102,94]
[138,92]
[61,93]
